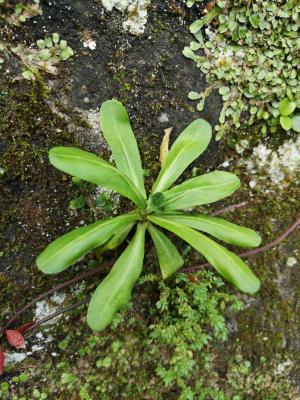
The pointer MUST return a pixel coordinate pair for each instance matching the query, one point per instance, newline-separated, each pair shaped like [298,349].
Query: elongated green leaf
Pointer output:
[116,128]
[169,258]
[186,148]
[114,291]
[88,166]
[220,228]
[116,240]
[70,247]
[229,265]
[203,189]
[199,23]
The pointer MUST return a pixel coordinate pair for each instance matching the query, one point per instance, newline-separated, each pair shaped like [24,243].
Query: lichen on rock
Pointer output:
[136,10]
[277,166]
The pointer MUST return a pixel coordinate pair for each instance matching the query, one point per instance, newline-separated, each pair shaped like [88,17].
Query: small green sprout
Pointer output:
[162,207]
[23,12]
[49,52]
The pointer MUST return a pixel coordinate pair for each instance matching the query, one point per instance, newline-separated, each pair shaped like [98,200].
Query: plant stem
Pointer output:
[229,208]
[61,311]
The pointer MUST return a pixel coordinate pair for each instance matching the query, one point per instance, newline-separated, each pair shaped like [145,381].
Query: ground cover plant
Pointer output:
[160,208]
[250,54]
[177,338]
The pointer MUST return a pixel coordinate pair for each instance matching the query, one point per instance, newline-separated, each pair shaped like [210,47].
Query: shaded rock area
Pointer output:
[151,77]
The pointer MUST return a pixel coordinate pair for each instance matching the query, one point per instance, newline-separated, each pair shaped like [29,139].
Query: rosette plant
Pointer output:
[161,208]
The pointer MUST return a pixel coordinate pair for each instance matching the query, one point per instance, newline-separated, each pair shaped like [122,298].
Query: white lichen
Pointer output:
[283,366]
[91,137]
[225,164]
[136,11]
[163,117]
[275,167]
[90,44]
[12,358]
[291,261]
[44,308]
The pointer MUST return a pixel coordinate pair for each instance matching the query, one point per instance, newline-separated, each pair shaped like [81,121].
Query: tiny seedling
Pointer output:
[24,11]
[162,207]
[44,57]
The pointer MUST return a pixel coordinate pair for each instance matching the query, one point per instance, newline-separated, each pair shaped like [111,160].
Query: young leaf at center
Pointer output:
[169,258]
[186,148]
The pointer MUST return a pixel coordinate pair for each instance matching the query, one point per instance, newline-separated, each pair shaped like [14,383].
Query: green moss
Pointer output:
[168,348]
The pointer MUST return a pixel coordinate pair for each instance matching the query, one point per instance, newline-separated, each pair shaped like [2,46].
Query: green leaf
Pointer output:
[296,123]
[254,20]
[116,240]
[55,38]
[157,199]
[44,54]
[224,90]
[169,258]
[116,128]
[203,189]
[187,147]
[63,44]
[88,166]
[229,265]
[286,123]
[41,44]
[104,201]
[28,75]
[48,42]
[199,23]
[114,291]
[65,54]
[220,228]
[194,95]
[195,45]
[79,202]
[69,248]
[196,25]
[286,107]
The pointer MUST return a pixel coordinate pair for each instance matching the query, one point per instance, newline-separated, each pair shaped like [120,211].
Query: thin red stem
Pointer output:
[56,288]
[61,311]
[229,208]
